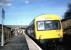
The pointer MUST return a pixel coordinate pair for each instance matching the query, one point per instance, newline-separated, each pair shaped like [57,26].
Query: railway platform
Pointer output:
[20,42]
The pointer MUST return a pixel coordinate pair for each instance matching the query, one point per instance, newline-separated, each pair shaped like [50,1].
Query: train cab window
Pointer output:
[49,25]
[40,25]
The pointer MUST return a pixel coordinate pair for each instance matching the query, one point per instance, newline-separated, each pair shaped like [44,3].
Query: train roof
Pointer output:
[47,17]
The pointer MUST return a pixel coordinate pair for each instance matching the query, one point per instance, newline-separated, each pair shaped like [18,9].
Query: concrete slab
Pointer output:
[31,44]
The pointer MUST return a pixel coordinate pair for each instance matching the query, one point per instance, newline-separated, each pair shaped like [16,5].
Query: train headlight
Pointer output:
[60,35]
[42,41]
[61,39]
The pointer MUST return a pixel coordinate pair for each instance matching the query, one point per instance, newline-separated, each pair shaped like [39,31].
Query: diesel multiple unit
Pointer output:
[46,27]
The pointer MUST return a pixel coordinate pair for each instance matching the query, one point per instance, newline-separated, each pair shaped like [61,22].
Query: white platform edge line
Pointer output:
[34,43]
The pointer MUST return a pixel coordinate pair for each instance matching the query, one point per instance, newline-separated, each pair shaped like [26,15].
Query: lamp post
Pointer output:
[3,3]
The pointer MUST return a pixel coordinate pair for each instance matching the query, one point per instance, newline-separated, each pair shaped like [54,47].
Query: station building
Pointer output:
[7,33]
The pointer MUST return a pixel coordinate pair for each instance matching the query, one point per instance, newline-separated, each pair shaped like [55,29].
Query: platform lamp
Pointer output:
[3,4]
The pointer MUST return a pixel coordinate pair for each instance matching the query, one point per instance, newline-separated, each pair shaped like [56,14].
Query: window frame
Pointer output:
[59,25]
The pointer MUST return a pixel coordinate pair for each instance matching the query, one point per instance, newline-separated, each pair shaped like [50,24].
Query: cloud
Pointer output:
[5,2]
[27,2]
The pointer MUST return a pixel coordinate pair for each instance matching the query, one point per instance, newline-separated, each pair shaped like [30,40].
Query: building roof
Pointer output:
[5,26]
[17,26]
[66,19]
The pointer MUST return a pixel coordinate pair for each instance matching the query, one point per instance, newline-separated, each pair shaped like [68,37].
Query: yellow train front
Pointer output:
[46,27]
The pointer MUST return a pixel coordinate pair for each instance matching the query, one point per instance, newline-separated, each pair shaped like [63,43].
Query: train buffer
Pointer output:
[20,42]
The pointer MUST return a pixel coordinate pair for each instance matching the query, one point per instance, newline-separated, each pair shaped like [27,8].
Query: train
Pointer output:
[46,28]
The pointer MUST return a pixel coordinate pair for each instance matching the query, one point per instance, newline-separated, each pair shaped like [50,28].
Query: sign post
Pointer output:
[3,3]
[2,36]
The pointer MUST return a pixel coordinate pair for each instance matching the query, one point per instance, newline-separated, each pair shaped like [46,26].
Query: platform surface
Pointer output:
[16,43]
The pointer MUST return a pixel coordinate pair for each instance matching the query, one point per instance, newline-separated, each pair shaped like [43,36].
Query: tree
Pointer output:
[68,13]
